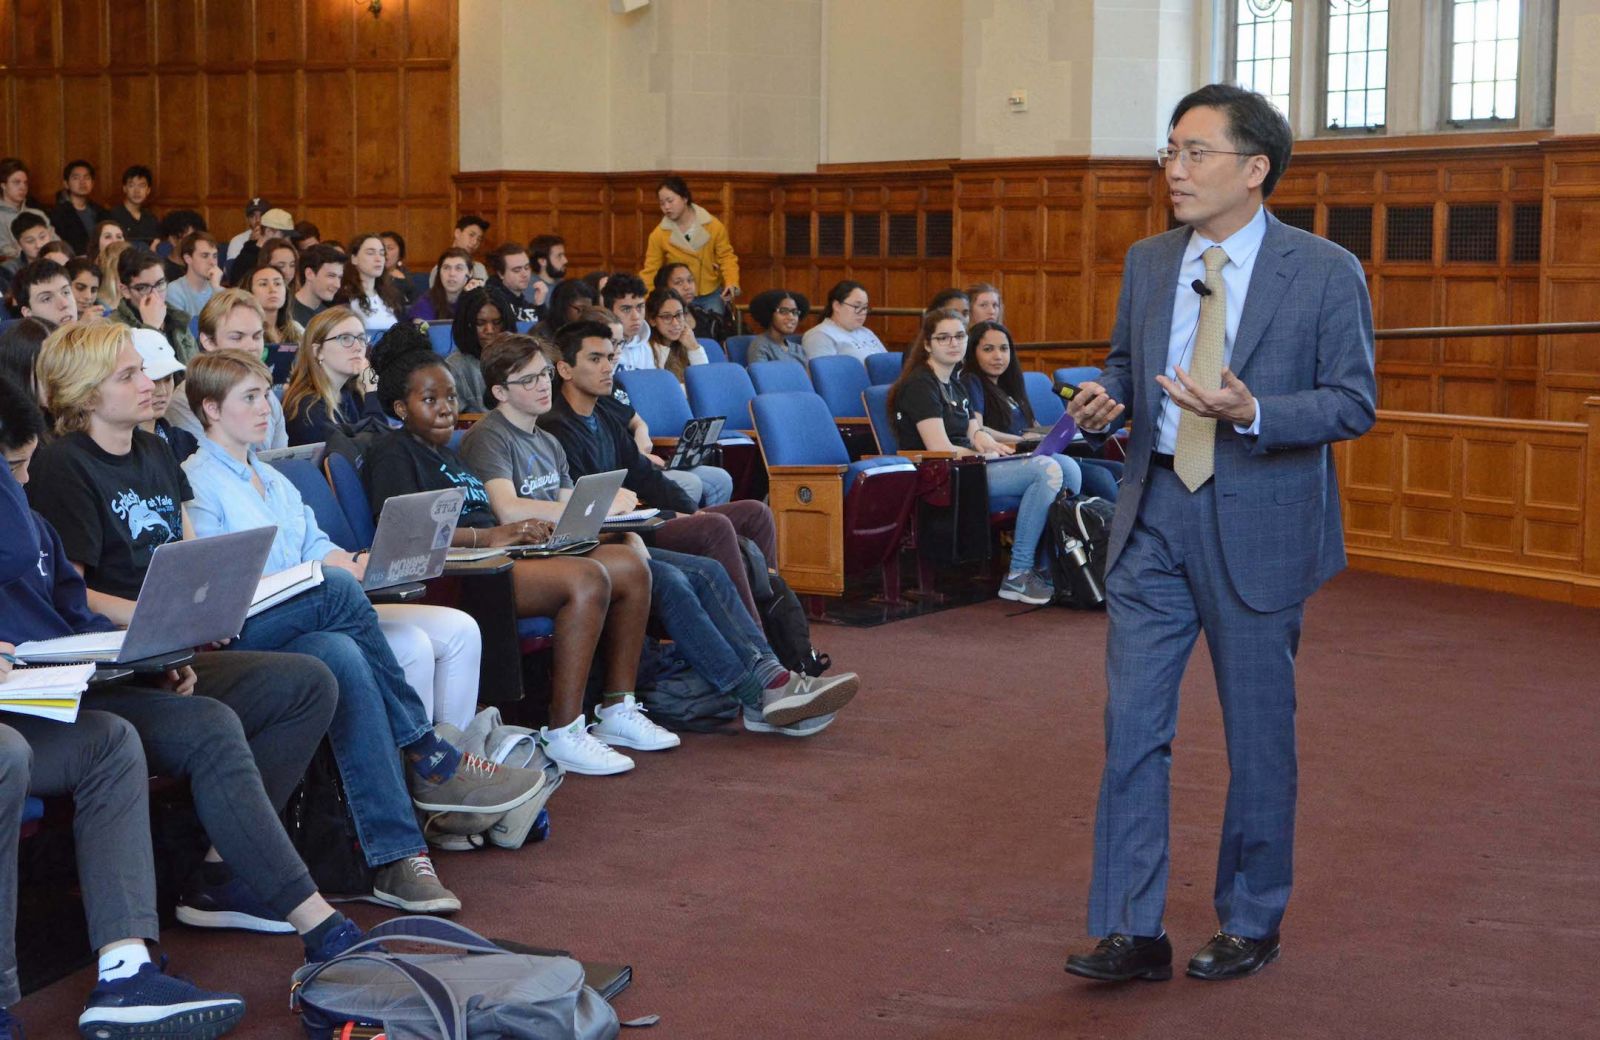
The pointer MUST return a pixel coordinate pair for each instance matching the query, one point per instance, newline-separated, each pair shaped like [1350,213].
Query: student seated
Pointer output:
[232,319]
[439,649]
[142,285]
[283,334]
[455,277]
[986,304]
[202,275]
[321,276]
[480,317]
[567,302]
[14,201]
[106,233]
[115,494]
[20,341]
[672,343]
[596,431]
[932,412]
[76,213]
[365,290]
[162,366]
[952,300]
[83,275]
[240,727]
[525,477]
[330,386]
[41,290]
[993,377]
[139,225]
[606,590]
[623,296]
[510,271]
[778,312]
[31,232]
[844,330]
[707,324]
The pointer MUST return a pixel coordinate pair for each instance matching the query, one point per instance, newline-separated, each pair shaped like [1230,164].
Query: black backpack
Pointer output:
[1079,529]
[782,615]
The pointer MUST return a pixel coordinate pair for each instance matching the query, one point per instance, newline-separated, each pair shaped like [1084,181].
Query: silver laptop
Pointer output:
[194,592]
[578,530]
[311,453]
[413,537]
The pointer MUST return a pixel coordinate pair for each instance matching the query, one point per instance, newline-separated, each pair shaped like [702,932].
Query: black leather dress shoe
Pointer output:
[1119,958]
[1233,957]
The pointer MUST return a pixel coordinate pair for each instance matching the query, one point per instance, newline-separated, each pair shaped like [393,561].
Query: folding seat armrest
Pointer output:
[808,507]
[926,456]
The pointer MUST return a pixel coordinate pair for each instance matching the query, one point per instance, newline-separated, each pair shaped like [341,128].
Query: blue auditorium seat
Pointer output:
[738,348]
[658,397]
[875,401]
[1044,401]
[723,389]
[883,369]
[439,334]
[840,380]
[714,352]
[774,377]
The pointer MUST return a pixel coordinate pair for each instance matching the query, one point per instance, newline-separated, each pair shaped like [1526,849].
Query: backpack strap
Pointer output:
[435,930]
[433,992]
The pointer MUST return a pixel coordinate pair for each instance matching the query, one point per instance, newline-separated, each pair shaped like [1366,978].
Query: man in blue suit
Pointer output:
[1242,350]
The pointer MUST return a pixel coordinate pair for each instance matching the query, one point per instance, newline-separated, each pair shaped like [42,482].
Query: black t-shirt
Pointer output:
[302,313]
[921,397]
[112,511]
[181,441]
[399,464]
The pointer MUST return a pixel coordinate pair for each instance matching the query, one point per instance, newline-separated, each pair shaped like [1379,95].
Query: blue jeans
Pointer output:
[712,301]
[1038,479]
[707,485]
[377,711]
[695,600]
[1100,477]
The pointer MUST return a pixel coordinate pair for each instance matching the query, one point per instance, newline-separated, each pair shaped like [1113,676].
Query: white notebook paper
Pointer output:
[52,692]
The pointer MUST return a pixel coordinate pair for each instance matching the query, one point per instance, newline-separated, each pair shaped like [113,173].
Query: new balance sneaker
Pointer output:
[151,1003]
[806,697]
[1027,587]
[477,786]
[625,724]
[804,728]
[574,748]
[336,942]
[228,905]
[411,884]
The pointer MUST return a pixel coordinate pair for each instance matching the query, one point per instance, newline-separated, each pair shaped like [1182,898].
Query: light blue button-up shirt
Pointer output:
[225,500]
[1241,247]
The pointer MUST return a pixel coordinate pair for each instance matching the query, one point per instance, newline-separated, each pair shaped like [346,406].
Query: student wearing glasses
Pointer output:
[932,412]
[480,318]
[778,312]
[330,386]
[232,319]
[844,330]
[142,279]
[672,341]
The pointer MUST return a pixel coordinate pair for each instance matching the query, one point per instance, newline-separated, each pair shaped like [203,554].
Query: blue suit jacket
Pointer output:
[1304,348]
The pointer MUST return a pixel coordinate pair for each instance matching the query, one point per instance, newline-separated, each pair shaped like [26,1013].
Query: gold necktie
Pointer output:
[1194,459]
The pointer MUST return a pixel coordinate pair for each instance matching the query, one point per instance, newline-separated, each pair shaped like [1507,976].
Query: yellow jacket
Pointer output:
[705,249]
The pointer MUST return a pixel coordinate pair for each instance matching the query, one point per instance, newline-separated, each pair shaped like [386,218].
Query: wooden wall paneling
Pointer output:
[378,148]
[228,30]
[36,31]
[178,32]
[280,32]
[1570,275]
[131,25]
[131,117]
[36,133]
[229,147]
[179,140]
[280,116]
[82,27]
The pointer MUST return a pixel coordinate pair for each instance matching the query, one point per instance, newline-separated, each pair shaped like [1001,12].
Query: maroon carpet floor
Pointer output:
[920,869]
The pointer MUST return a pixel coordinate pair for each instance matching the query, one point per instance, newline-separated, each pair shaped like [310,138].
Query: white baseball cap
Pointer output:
[159,359]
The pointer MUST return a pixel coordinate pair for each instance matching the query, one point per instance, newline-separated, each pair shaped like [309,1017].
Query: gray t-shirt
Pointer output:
[534,462]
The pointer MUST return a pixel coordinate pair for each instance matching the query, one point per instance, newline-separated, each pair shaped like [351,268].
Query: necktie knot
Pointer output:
[1214,259]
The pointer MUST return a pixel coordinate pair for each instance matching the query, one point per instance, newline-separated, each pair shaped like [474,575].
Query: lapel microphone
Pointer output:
[1200,288]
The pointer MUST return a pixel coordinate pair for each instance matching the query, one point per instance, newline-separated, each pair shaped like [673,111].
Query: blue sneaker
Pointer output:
[336,942]
[228,905]
[10,1027]
[151,1003]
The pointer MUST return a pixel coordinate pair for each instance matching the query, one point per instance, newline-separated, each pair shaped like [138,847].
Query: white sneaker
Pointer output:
[576,751]
[625,724]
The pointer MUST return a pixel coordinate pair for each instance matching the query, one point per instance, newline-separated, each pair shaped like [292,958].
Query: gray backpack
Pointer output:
[488,737]
[478,993]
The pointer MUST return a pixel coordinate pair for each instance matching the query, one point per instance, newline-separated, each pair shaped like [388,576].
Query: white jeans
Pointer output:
[440,650]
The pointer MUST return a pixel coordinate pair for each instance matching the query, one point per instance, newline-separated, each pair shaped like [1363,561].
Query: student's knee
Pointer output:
[1047,470]
[590,585]
[16,763]
[116,742]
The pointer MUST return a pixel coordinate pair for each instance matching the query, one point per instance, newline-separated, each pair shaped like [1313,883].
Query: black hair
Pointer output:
[622,284]
[20,418]
[472,220]
[841,292]
[764,307]
[25,222]
[1255,126]
[401,351]
[464,326]
[539,248]
[180,222]
[135,259]
[942,299]
[561,297]
[31,274]
[1008,384]
[570,337]
[675,184]
[66,171]
[318,257]
[138,171]
[399,240]
[19,348]
[660,281]
[82,265]
[593,280]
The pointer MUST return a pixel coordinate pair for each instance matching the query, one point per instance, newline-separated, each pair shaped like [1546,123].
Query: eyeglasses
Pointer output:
[531,380]
[860,308]
[945,339]
[146,288]
[789,312]
[348,340]
[675,316]
[1191,156]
